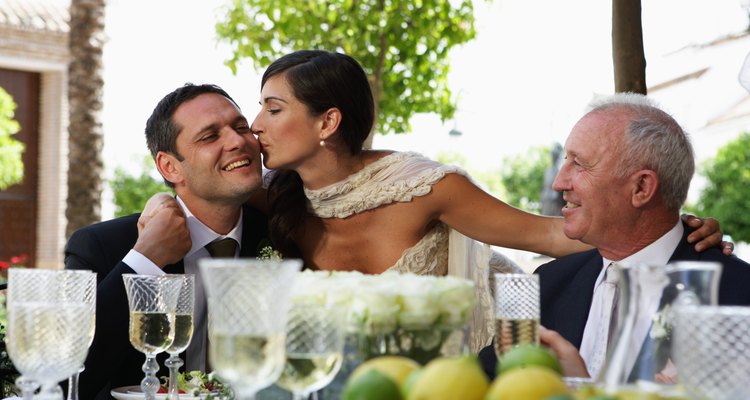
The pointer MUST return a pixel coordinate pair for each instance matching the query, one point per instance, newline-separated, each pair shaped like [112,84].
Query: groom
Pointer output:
[204,149]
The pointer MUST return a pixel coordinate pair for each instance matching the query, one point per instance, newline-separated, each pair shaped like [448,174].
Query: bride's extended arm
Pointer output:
[473,212]
[480,216]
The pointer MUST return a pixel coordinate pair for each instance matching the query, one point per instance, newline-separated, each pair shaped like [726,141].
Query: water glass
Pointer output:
[712,351]
[248,301]
[516,311]
[314,348]
[50,325]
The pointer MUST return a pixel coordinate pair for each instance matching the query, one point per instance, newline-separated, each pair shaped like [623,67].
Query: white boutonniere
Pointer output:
[268,253]
[661,327]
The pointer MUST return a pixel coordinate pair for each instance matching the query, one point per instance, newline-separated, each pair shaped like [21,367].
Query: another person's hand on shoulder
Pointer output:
[570,360]
[153,204]
[163,236]
[707,234]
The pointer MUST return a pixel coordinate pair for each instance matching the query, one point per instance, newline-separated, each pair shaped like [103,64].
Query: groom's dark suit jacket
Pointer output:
[567,286]
[112,362]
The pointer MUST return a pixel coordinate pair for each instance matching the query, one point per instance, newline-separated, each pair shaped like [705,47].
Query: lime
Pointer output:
[371,385]
[528,383]
[528,355]
[397,368]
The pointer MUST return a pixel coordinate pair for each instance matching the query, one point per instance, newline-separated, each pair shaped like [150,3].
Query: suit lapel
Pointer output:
[572,304]
[254,229]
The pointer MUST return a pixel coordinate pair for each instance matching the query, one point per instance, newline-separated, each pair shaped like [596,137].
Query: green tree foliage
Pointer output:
[727,190]
[132,192]
[402,45]
[11,150]
[523,178]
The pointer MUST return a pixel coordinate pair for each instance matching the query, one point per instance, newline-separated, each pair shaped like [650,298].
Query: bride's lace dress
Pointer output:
[399,177]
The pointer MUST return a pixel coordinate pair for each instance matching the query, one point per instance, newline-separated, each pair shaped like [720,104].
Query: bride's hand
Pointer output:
[707,234]
[153,205]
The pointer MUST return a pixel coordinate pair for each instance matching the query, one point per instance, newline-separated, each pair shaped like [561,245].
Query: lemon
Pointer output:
[408,385]
[450,378]
[396,367]
[528,355]
[528,383]
[371,385]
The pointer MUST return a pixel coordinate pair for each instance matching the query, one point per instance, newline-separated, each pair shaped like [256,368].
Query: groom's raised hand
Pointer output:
[163,236]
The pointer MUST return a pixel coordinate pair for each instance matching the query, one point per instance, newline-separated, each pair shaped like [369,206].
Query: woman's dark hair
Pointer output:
[321,80]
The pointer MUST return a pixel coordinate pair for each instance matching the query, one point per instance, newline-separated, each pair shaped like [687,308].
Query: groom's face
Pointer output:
[220,155]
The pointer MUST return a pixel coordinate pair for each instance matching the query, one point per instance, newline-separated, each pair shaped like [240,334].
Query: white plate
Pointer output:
[135,393]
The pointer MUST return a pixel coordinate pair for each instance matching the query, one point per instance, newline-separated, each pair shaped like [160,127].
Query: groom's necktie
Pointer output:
[223,248]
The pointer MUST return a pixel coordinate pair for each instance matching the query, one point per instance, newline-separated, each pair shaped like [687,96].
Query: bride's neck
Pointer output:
[331,168]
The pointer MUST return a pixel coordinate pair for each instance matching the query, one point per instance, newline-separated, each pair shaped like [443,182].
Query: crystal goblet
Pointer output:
[183,332]
[50,324]
[314,348]
[152,300]
[248,301]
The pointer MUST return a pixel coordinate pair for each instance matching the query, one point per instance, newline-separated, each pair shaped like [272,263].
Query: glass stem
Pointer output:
[27,387]
[173,363]
[300,396]
[150,383]
[73,385]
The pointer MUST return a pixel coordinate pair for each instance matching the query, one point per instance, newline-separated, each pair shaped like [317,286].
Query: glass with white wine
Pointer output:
[183,332]
[516,311]
[152,300]
[49,325]
[248,301]
[314,348]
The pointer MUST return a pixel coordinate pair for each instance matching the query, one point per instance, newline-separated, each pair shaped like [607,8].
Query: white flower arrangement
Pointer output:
[405,314]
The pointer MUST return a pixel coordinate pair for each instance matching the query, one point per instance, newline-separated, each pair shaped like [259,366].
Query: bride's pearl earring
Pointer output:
[322,143]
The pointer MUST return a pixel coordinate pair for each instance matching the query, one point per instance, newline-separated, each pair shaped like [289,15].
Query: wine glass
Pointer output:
[70,282]
[314,348]
[49,326]
[248,301]
[152,300]
[183,332]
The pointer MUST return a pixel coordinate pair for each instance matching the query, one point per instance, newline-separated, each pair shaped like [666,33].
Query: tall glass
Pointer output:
[248,301]
[49,325]
[183,332]
[314,348]
[152,300]
[71,282]
[712,351]
[641,350]
[516,311]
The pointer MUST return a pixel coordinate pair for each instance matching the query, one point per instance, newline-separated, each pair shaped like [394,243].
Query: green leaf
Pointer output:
[11,150]
[727,189]
[132,192]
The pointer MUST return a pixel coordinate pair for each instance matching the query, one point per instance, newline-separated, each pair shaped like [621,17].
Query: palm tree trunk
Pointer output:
[627,47]
[85,86]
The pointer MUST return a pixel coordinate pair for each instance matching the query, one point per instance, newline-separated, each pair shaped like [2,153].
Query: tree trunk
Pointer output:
[627,47]
[85,86]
